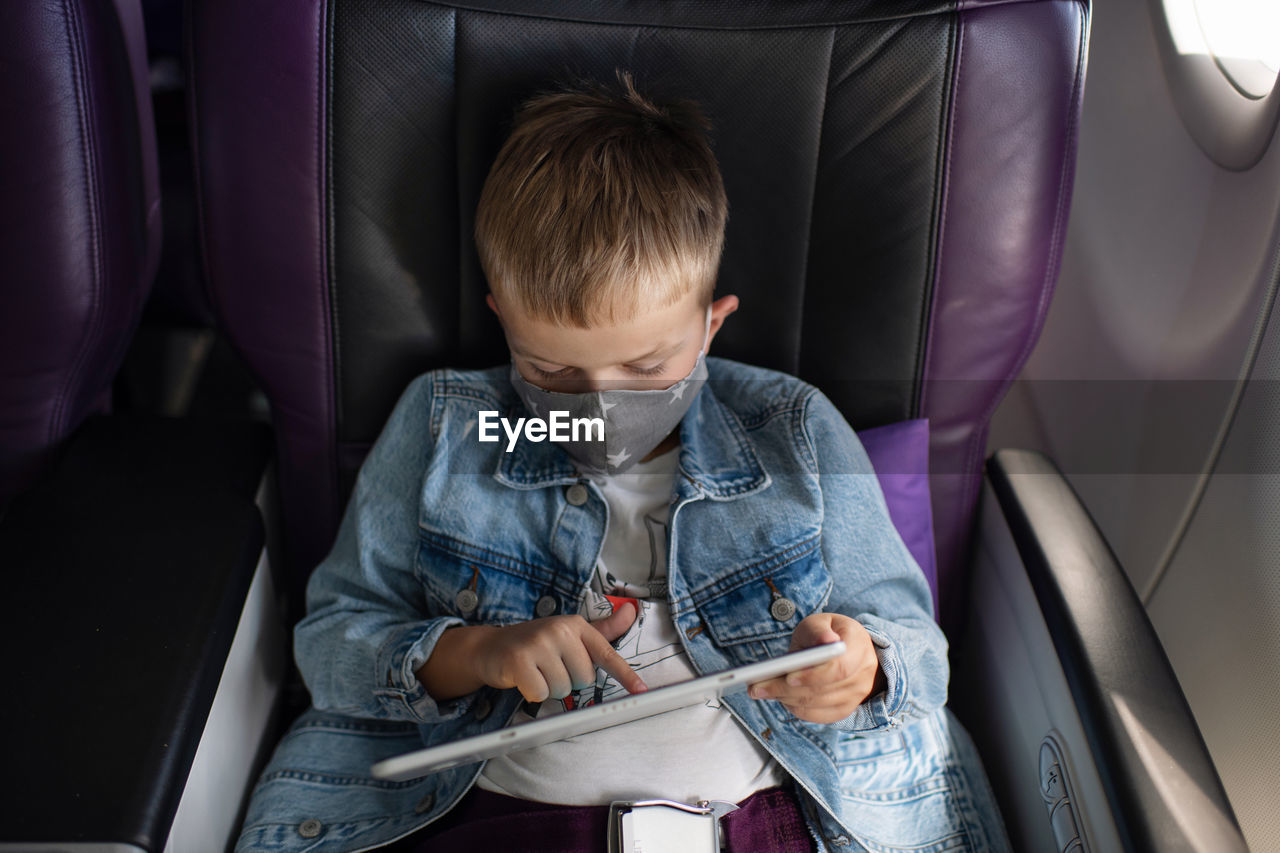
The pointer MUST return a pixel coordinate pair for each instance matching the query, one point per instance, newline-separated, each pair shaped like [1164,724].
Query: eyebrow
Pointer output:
[660,351]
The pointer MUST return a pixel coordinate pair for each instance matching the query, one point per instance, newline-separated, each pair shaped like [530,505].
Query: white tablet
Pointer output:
[596,717]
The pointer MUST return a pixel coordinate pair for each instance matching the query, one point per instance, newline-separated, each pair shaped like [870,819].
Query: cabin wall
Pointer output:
[1136,389]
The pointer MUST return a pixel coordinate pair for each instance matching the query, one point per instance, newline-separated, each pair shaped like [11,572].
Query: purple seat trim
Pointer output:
[267,251]
[1015,104]
[899,453]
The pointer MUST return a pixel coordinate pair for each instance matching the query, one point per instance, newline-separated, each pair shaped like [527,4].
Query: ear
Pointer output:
[493,305]
[720,310]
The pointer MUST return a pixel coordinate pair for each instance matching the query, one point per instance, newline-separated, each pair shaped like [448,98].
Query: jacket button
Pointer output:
[782,609]
[467,600]
[424,805]
[310,828]
[576,494]
[546,606]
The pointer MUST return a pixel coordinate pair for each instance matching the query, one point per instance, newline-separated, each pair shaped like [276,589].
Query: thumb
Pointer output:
[814,630]
[616,624]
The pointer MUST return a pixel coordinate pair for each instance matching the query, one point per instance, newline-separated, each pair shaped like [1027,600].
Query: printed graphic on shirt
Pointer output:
[650,646]
[693,753]
[655,585]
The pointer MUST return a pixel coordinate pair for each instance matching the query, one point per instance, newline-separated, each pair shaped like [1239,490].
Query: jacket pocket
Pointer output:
[479,585]
[855,749]
[897,792]
[763,602]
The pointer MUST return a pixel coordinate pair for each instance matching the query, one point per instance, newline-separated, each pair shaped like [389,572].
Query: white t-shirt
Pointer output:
[691,754]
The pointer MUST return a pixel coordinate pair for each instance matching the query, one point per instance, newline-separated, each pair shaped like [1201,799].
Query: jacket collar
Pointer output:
[716,455]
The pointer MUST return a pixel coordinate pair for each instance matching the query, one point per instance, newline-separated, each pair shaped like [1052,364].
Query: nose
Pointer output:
[596,381]
[599,380]
[581,382]
[613,380]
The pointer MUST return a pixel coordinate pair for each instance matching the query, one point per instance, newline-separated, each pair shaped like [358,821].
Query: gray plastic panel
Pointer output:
[1163,288]
[1217,609]
[1162,283]
[1010,692]
[225,765]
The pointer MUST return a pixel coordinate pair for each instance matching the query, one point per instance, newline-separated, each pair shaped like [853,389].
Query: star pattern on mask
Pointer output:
[533,407]
[677,390]
[616,459]
[605,406]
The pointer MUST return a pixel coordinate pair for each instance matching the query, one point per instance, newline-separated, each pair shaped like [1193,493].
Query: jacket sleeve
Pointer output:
[875,578]
[368,627]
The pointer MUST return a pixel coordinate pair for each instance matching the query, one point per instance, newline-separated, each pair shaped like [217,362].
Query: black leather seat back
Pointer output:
[898,176]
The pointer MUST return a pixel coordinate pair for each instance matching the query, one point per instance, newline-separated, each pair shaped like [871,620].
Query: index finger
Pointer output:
[607,658]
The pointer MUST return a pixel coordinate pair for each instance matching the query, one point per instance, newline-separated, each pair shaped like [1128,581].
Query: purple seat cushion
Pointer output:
[899,453]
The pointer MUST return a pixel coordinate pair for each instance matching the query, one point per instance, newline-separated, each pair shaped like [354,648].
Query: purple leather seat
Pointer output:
[79,218]
[128,542]
[898,173]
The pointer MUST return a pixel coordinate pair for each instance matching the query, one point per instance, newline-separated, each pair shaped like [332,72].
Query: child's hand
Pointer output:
[552,656]
[830,691]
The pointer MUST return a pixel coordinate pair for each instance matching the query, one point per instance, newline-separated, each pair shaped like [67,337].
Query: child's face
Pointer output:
[654,349]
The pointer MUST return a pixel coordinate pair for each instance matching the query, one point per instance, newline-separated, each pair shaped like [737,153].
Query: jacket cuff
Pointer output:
[403,697]
[884,709]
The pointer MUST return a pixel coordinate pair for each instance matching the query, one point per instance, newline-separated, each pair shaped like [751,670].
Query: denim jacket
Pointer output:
[774,496]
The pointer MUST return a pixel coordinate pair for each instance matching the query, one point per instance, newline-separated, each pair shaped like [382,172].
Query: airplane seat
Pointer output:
[899,176]
[128,542]
[81,225]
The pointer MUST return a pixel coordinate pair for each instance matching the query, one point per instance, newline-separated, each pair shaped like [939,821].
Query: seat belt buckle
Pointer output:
[665,826]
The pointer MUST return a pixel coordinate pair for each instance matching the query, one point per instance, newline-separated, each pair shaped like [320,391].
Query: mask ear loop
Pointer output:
[706,333]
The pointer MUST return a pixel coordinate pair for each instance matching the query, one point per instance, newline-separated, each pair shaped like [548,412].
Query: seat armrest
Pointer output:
[126,572]
[1140,738]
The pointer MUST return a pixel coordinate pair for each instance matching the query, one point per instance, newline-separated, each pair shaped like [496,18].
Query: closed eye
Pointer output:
[564,372]
[551,374]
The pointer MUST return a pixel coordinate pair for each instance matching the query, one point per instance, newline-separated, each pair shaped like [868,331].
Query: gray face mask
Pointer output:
[635,422]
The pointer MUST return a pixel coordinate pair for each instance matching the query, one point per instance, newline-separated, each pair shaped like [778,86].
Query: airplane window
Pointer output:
[1220,59]
[1242,36]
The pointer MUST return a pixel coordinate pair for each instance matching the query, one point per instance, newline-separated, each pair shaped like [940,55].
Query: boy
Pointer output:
[722,514]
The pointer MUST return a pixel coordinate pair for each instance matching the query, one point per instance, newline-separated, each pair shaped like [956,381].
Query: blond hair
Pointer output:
[601,204]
